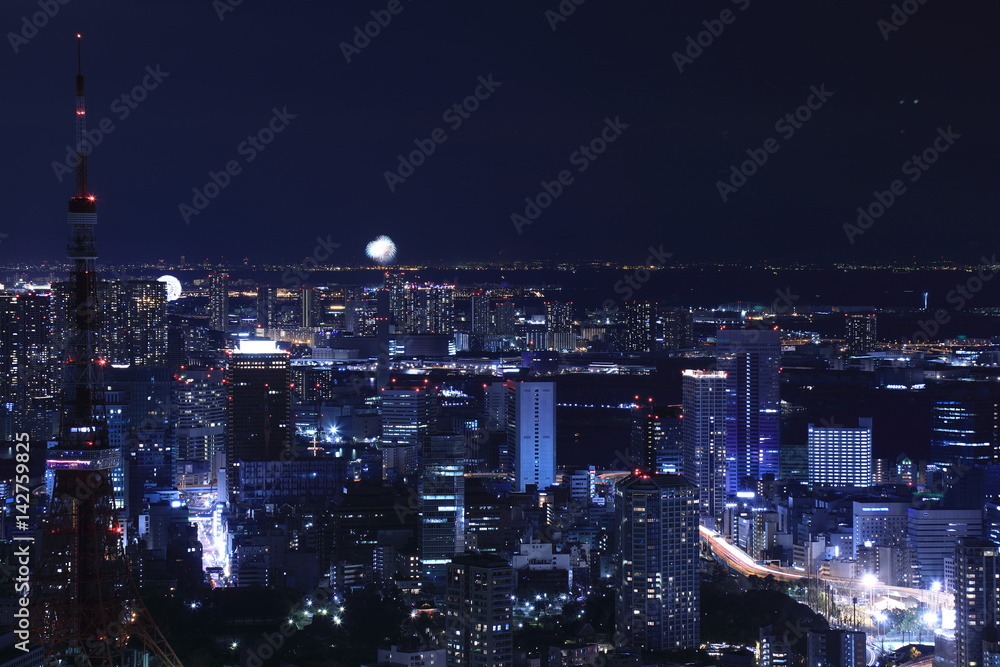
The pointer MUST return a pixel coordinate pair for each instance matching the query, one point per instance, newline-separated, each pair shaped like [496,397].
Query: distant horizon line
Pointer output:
[525,265]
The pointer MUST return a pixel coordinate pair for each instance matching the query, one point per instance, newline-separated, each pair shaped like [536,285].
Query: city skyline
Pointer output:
[533,459]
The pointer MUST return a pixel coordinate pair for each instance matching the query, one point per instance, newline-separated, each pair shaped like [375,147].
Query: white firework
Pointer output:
[382,250]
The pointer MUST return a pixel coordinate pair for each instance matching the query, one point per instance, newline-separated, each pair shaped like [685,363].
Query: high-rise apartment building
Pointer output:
[135,324]
[479,611]
[658,601]
[977,598]
[420,309]
[218,301]
[703,435]
[750,358]
[482,321]
[840,455]
[640,326]
[29,352]
[861,334]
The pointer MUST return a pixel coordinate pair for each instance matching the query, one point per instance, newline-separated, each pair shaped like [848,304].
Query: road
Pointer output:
[742,563]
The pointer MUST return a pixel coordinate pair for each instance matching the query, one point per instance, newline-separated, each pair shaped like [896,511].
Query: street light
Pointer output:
[882,618]
[930,620]
[870,580]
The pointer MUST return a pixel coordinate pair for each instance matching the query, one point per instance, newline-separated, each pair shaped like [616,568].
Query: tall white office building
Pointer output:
[840,455]
[703,434]
[532,432]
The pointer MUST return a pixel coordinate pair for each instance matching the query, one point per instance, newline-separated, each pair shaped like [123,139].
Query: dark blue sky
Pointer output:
[656,184]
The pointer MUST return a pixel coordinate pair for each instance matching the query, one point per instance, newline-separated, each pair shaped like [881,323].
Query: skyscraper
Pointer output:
[656,438]
[479,611]
[704,438]
[657,605]
[442,503]
[505,319]
[750,359]
[640,326]
[977,598]
[28,365]
[965,424]
[136,322]
[259,410]
[408,414]
[199,419]
[559,325]
[674,329]
[532,433]
[218,301]
[308,307]
[840,455]
[420,309]
[861,334]
[431,309]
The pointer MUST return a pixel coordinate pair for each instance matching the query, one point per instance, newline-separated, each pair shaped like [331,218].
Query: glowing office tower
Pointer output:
[259,410]
[442,503]
[840,455]
[531,431]
[750,358]
[704,436]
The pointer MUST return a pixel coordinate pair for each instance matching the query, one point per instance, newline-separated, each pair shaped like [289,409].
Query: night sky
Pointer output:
[656,184]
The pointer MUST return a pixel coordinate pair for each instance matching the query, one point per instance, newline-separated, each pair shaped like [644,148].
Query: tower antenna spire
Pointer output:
[87,608]
[81,124]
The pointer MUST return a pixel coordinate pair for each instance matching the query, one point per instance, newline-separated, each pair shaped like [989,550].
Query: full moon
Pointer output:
[173,287]
[382,250]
